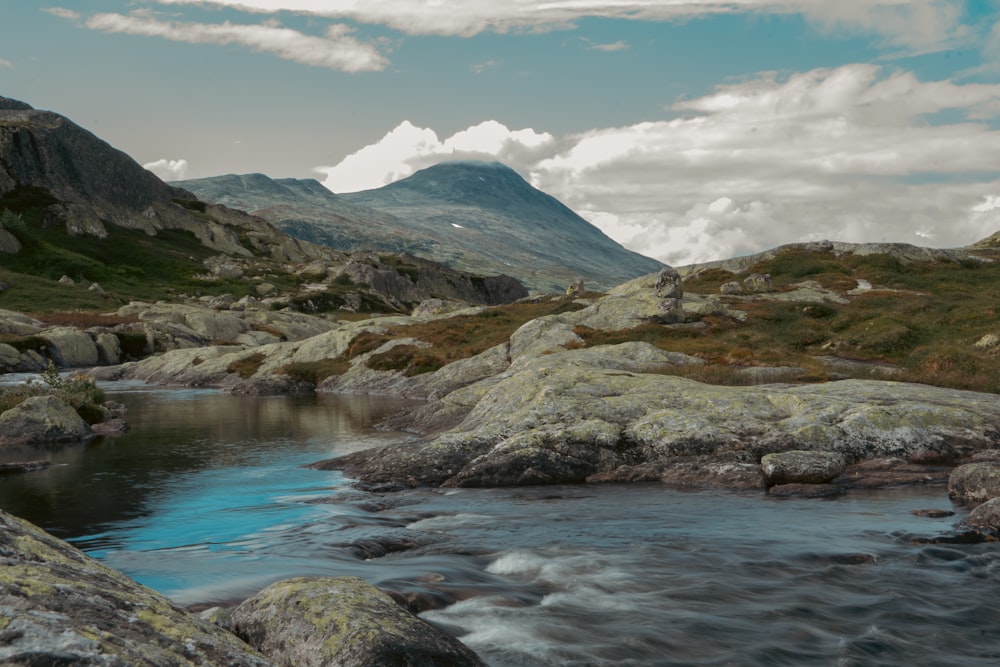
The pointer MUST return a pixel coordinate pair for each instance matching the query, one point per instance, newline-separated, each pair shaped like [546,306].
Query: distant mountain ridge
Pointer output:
[472,216]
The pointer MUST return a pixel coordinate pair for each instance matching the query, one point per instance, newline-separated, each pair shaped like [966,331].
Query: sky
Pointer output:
[686,130]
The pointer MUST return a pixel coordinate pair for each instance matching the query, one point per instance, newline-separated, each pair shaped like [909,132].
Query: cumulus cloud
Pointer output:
[611,47]
[912,24]
[337,50]
[852,153]
[168,170]
[6,64]
[408,148]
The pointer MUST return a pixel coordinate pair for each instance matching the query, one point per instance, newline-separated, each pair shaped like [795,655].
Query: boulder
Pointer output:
[71,348]
[61,607]
[42,419]
[343,621]
[985,518]
[8,243]
[19,324]
[974,483]
[799,467]
[669,284]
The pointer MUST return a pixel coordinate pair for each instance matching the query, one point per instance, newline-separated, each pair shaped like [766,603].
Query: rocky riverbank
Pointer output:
[61,607]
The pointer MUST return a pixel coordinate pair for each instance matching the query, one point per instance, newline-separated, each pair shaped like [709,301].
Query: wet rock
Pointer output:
[974,483]
[985,518]
[342,621]
[60,607]
[801,467]
[23,466]
[891,471]
[933,513]
[42,419]
[806,490]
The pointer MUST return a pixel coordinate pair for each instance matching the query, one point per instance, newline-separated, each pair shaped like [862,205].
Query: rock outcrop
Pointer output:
[60,607]
[317,621]
[566,418]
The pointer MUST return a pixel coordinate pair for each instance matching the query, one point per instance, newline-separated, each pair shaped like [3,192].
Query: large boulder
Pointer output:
[70,347]
[342,621]
[42,419]
[61,607]
[974,483]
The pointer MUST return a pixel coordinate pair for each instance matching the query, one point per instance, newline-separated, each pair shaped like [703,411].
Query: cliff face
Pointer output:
[87,183]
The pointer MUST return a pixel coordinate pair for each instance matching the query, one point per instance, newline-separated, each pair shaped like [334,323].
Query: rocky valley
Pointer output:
[807,370]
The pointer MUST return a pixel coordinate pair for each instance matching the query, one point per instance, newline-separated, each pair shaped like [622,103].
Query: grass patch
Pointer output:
[248,366]
[315,371]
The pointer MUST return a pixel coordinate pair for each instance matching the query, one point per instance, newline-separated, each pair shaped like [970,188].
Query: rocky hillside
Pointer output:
[81,224]
[473,216]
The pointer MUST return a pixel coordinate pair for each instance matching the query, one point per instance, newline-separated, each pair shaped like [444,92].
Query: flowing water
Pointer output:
[205,500]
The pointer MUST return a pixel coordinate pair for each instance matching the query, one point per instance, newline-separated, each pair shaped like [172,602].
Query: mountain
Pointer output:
[76,211]
[80,182]
[473,216]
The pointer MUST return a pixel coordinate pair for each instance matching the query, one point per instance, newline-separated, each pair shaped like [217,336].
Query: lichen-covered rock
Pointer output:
[588,415]
[61,607]
[799,467]
[343,621]
[71,348]
[974,483]
[42,419]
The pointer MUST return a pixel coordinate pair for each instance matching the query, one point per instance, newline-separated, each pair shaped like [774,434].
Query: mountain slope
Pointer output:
[76,212]
[473,216]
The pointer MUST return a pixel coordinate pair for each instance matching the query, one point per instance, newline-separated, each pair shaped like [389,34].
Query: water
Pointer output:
[205,500]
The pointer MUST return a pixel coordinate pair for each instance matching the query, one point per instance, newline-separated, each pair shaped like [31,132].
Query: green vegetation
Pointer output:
[924,318]
[80,392]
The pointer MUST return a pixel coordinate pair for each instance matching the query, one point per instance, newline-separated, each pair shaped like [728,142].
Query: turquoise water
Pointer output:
[205,500]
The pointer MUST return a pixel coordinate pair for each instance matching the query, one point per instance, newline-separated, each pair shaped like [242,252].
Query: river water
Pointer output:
[205,500]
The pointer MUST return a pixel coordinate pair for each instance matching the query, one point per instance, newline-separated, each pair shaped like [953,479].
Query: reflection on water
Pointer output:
[205,501]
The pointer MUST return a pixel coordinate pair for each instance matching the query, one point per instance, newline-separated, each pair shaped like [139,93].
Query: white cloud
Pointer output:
[610,48]
[168,170]
[911,24]
[62,13]
[337,50]
[846,154]
[408,148]
[6,64]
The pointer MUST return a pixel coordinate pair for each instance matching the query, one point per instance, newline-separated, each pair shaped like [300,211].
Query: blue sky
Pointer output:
[686,130]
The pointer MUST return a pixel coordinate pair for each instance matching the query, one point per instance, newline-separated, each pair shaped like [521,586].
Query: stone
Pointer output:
[70,347]
[974,483]
[61,607]
[732,287]
[109,349]
[802,467]
[669,284]
[985,517]
[757,283]
[8,243]
[343,621]
[66,280]
[42,419]
[988,342]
